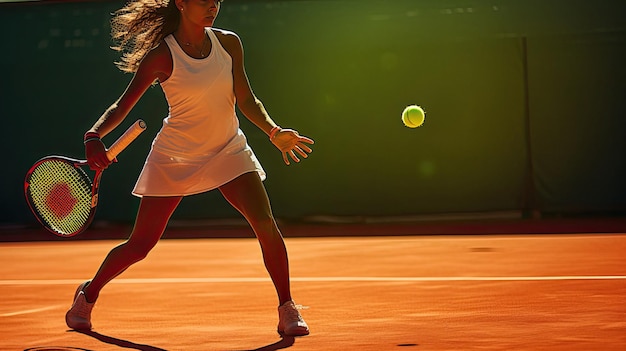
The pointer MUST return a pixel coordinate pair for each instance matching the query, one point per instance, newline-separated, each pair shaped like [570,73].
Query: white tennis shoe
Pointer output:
[290,321]
[79,315]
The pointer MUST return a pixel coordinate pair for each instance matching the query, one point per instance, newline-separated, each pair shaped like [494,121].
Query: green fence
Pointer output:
[523,99]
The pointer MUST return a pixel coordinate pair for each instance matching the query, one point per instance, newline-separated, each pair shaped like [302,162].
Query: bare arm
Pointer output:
[247,102]
[288,141]
[156,65]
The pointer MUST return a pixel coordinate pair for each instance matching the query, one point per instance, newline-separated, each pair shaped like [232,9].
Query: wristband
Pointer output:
[91,135]
[274,131]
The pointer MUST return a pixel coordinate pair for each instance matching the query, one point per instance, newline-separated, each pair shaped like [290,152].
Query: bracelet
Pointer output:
[274,131]
[90,139]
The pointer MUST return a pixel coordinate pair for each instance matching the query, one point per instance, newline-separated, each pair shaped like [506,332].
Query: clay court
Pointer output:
[510,291]
[523,139]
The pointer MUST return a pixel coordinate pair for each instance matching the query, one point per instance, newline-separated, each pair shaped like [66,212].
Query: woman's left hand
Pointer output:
[292,144]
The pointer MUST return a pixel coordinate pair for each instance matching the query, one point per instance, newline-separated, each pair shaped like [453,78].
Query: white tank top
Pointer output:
[200,146]
[201,99]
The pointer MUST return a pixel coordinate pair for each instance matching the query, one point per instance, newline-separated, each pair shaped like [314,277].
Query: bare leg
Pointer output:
[247,194]
[152,218]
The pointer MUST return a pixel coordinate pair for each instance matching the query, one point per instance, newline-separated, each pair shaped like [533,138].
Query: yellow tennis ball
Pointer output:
[413,116]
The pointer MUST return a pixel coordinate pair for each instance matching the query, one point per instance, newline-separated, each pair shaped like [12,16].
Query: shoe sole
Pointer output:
[282,333]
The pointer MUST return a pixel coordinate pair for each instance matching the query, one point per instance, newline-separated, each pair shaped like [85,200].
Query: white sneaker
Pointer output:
[290,321]
[79,315]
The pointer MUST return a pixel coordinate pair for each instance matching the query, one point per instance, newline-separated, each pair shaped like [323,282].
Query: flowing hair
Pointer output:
[139,26]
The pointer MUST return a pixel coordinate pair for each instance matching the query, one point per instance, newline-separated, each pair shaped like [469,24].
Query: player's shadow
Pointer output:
[283,343]
[119,342]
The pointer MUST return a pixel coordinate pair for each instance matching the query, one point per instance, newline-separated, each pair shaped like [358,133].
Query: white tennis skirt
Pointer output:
[164,174]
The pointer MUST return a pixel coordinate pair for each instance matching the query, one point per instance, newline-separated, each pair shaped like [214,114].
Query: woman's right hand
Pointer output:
[96,155]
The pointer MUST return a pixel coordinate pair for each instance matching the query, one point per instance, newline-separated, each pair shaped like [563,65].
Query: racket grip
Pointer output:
[128,137]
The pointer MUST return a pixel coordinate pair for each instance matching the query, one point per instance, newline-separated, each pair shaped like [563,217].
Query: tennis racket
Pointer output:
[60,193]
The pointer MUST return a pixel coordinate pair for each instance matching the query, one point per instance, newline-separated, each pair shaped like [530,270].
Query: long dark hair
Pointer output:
[139,26]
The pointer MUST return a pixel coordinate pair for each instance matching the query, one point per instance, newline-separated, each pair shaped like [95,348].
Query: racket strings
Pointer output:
[61,195]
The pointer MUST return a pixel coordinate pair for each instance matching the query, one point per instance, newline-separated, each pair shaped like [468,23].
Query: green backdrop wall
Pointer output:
[523,98]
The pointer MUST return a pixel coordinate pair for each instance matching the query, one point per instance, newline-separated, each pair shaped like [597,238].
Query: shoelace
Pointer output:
[293,312]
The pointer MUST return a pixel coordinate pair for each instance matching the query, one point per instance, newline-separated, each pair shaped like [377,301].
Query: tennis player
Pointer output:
[200,146]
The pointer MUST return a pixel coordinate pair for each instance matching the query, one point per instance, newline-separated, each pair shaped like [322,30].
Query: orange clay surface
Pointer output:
[471,292]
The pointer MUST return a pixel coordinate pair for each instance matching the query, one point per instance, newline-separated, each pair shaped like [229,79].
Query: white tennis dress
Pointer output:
[200,146]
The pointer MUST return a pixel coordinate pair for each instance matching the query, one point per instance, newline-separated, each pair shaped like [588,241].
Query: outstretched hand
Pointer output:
[292,144]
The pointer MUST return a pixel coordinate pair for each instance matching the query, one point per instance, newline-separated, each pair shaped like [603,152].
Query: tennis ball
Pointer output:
[413,116]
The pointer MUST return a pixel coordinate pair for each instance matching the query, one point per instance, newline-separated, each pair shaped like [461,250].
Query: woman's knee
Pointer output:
[263,221]
[266,230]
[138,250]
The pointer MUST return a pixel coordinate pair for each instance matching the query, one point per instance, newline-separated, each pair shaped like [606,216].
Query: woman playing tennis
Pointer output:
[200,146]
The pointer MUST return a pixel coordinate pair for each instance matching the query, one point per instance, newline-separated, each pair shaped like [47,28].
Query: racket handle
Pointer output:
[128,137]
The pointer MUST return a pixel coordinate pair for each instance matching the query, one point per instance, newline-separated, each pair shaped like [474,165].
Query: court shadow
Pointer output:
[283,343]
[119,342]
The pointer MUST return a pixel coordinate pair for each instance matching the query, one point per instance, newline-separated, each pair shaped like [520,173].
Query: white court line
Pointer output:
[312,279]
[35,310]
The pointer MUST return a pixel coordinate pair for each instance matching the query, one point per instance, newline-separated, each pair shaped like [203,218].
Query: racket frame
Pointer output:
[78,165]
[118,146]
